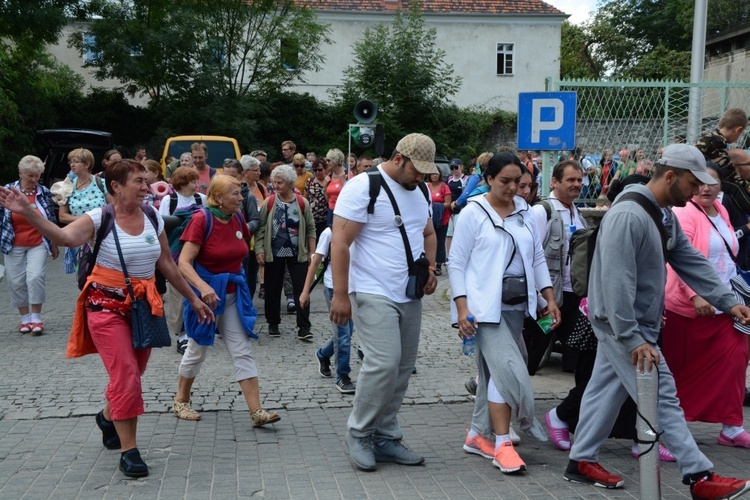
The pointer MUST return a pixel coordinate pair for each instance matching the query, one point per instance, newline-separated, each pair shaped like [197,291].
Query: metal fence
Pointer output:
[643,115]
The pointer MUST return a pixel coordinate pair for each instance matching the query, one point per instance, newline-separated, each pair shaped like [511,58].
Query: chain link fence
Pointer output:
[621,125]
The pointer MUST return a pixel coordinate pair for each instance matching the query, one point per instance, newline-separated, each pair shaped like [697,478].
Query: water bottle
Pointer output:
[469,346]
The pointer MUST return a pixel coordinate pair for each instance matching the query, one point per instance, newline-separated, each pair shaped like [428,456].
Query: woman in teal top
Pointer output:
[88,193]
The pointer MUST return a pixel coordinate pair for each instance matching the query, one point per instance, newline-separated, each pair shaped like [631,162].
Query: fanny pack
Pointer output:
[419,270]
[514,290]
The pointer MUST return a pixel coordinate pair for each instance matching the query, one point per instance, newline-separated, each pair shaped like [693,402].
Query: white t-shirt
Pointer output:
[378,259]
[182,202]
[140,252]
[322,248]
[718,256]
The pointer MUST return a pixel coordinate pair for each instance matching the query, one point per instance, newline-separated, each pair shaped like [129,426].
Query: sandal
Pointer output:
[110,439]
[262,417]
[438,271]
[185,411]
[24,327]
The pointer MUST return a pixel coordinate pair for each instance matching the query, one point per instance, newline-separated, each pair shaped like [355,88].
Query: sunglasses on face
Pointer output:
[299,166]
[454,167]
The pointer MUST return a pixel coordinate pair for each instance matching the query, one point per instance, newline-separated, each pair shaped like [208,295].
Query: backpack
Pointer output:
[376,179]
[173,201]
[583,244]
[87,254]
[186,214]
[272,199]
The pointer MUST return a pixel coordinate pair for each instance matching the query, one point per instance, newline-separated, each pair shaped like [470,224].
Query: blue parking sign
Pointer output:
[547,120]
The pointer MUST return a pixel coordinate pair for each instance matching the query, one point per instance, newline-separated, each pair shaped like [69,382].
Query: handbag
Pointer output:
[514,290]
[419,270]
[740,283]
[149,331]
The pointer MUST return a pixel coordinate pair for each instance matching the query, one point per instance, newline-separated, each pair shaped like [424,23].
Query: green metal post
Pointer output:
[665,138]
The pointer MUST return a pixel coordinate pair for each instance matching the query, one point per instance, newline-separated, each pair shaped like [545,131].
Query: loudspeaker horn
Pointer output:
[365,111]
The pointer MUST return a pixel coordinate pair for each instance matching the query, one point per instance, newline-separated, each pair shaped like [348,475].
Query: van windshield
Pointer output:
[218,151]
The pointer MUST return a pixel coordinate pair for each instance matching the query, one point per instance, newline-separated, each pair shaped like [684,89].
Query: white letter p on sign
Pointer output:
[537,124]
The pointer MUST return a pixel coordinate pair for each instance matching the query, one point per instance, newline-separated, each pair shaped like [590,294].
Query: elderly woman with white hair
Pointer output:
[335,162]
[285,240]
[26,249]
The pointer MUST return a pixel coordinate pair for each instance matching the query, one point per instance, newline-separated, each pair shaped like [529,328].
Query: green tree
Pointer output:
[35,91]
[165,48]
[577,60]
[400,68]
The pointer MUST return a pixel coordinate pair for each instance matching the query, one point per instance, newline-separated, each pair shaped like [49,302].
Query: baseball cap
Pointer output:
[456,161]
[420,149]
[686,157]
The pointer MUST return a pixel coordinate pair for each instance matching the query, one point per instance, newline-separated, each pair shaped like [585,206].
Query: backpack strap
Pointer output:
[211,172]
[272,199]
[209,223]
[547,208]
[653,212]
[196,198]
[99,184]
[106,225]
[301,202]
[173,203]
[375,180]
[150,212]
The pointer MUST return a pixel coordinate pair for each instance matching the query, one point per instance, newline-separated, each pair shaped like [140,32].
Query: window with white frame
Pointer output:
[505,59]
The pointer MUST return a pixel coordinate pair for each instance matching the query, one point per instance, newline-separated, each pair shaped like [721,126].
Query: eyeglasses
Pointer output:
[320,170]
[454,167]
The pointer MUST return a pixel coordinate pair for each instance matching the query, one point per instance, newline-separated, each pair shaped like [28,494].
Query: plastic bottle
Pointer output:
[469,346]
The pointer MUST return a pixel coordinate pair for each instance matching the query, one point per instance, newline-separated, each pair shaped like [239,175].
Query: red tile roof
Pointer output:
[441,6]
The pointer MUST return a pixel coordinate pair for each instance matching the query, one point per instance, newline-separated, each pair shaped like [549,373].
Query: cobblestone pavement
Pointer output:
[50,447]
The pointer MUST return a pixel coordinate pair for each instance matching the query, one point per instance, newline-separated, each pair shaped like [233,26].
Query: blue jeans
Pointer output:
[340,343]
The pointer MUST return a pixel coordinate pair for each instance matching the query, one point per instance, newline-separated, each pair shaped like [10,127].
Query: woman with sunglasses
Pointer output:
[316,195]
[298,162]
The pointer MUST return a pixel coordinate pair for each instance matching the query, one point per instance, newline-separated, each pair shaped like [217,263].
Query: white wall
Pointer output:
[731,67]
[73,59]
[470,43]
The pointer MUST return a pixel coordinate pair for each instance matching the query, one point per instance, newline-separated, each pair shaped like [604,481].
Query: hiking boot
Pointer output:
[592,473]
[345,385]
[360,452]
[273,331]
[305,334]
[479,445]
[507,460]
[714,486]
[324,365]
[391,450]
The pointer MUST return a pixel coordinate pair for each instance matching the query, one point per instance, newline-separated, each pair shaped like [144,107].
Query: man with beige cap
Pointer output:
[370,277]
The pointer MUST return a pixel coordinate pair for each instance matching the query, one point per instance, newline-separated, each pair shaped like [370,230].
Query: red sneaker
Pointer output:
[479,445]
[592,473]
[715,487]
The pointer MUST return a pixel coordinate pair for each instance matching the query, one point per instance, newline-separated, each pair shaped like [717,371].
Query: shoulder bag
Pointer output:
[149,331]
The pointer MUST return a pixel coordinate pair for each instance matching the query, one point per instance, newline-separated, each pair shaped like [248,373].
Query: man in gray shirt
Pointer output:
[626,302]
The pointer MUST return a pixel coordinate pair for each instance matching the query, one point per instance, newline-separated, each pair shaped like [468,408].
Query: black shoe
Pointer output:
[345,385]
[182,345]
[291,307]
[747,398]
[305,334]
[414,371]
[110,439]
[360,354]
[324,366]
[132,465]
[273,331]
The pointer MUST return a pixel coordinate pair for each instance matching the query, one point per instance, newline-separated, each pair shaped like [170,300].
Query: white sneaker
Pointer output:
[514,438]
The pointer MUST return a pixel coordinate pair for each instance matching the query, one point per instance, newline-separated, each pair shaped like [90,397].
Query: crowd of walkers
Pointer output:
[199,244]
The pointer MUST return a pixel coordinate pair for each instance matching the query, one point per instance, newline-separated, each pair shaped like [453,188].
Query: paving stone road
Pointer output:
[51,448]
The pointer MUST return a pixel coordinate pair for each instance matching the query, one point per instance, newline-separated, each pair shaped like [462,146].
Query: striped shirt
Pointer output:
[140,252]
